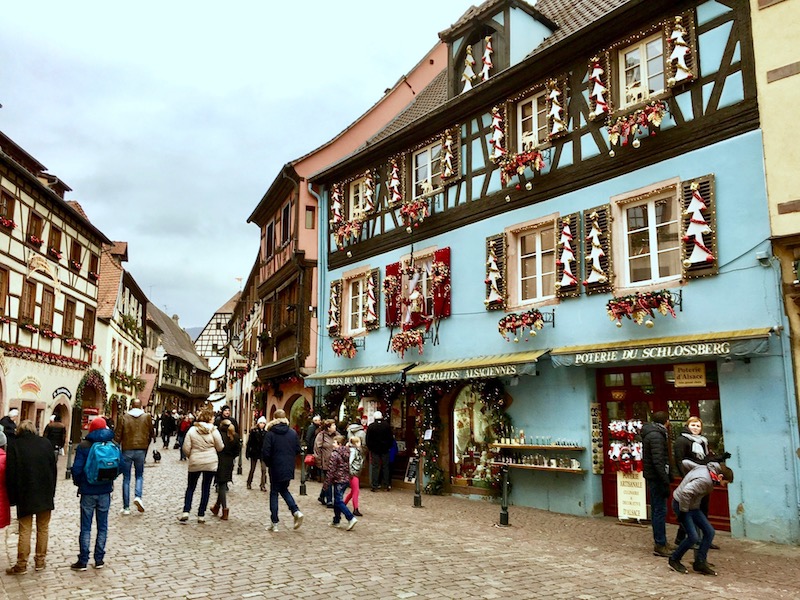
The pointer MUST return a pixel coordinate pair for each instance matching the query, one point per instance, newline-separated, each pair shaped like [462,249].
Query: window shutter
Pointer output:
[335,309]
[680,49]
[597,250]
[373,291]
[392,291]
[442,285]
[568,272]
[495,272]
[698,206]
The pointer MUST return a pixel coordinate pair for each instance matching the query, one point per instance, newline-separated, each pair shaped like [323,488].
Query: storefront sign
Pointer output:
[473,373]
[654,353]
[352,379]
[690,375]
[631,496]
[62,390]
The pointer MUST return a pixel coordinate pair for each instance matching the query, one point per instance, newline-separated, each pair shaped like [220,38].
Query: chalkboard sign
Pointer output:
[411,470]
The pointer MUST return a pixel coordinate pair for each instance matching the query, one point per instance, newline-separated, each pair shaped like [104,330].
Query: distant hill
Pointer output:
[194,332]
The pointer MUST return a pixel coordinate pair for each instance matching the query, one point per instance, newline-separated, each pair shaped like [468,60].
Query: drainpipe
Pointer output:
[322,278]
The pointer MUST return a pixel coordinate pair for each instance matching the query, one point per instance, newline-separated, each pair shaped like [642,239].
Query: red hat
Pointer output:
[97,423]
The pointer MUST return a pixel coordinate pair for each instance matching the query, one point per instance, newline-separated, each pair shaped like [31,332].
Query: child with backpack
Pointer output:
[96,465]
[356,465]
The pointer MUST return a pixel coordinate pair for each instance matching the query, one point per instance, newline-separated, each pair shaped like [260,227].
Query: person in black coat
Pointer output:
[167,427]
[281,447]
[380,440]
[9,423]
[309,438]
[31,486]
[226,458]
[255,442]
[655,463]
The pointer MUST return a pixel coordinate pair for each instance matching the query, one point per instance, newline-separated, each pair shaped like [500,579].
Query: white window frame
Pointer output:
[538,255]
[356,206]
[644,74]
[434,178]
[358,298]
[526,145]
[652,228]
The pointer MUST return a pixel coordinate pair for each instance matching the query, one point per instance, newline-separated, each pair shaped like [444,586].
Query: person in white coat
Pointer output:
[201,445]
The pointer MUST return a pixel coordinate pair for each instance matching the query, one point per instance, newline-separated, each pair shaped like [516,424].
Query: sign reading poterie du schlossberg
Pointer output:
[654,353]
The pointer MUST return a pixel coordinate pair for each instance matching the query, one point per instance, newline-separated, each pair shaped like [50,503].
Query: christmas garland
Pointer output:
[93,378]
[414,212]
[405,340]
[641,305]
[344,346]
[440,274]
[518,323]
[626,127]
[515,164]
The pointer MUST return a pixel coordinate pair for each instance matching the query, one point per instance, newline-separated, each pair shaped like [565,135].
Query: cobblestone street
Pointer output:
[450,548]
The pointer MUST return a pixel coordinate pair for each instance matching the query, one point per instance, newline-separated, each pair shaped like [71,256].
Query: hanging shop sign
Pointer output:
[631,497]
[693,375]
[62,390]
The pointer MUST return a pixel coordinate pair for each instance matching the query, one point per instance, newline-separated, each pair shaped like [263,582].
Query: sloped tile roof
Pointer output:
[108,286]
[175,340]
[573,15]
[230,305]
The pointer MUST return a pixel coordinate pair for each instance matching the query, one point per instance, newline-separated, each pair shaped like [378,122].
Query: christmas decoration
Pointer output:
[468,76]
[626,128]
[493,277]
[334,310]
[625,453]
[347,231]
[371,317]
[516,324]
[448,170]
[641,307]
[598,90]
[515,164]
[487,59]
[394,184]
[336,206]
[344,347]
[405,340]
[496,142]
[414,212]
[93,379]
[369,192]
[596,275]
[567,257]
[697,227]
[556,109]
[680,52]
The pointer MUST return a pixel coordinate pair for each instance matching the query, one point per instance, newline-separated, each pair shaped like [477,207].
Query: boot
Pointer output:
[215,509]
[224,514]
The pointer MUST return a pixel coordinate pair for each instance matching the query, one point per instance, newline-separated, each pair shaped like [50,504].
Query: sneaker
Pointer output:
[125,511]
[99,564]
[40,566]
[184,517]
[357,513]
[337,525]
[78,566]
[713,546]
[298,519]
[704,568]
[201,520]
[138,503]
[676,565]
[272,527]
[388,488]
[16,570]
[351,523]
[661,551]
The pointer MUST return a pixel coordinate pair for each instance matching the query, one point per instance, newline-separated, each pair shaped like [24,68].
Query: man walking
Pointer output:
[95,498]
[379,442]
[134,432]
[31,485]
[56,433]
[655,457]
[281,447]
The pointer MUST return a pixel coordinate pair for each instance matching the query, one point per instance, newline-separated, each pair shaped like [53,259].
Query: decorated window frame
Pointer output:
[426,170]
[651,68]
[544,254]
[359,297]
[7,204]
[535,117]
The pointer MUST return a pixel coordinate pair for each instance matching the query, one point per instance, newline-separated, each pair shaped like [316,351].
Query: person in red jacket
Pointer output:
[5,507]
[338,478]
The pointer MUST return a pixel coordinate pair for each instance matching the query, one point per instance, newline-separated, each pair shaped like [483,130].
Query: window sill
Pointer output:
[631,108]
[649,287]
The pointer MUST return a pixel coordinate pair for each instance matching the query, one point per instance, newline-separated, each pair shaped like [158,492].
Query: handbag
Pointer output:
[310,460]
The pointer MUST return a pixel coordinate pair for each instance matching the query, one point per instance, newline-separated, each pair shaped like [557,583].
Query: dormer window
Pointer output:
[427,170]
[532,128]
[641,68]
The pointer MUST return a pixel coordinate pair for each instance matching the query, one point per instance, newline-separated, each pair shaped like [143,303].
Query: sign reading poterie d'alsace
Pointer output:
[693,375]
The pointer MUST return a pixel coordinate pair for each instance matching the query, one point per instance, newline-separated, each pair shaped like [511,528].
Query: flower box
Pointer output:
[75,265]
[94,276]
[7,223]
[35,241]
[54,253]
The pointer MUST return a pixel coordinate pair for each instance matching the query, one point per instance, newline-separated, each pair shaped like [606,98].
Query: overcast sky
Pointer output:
[170,119]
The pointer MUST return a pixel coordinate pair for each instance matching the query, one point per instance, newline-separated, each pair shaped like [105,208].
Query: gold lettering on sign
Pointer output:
[690,375]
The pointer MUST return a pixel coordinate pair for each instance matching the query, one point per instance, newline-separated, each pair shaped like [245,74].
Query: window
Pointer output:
[537,264]
[427,170]
[286,223]
[6,206]
[68,329]
[358,304]
[48,308]
[35,225]
[531,123]
[652,240]
[75,252]
[3,291]
[357,202]
[54,242]
[88,325]
[269,240]
[27,306]
[311,217]
[94,264]
[642,70]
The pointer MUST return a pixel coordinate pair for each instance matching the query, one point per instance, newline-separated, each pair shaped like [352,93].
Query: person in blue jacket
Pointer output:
[95,498]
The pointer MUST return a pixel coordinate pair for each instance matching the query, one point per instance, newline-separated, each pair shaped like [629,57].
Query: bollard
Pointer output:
[68,473]
[303,449]
[417,482]
[504,505]
[239,468]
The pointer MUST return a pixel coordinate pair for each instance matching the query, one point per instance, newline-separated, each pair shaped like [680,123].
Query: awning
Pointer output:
[498,365]
[379,374]
[701,346]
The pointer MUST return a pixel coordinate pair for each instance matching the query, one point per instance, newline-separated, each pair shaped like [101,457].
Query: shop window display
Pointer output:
[472,434]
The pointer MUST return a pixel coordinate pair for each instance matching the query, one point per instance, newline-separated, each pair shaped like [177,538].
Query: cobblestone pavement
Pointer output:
[449,548]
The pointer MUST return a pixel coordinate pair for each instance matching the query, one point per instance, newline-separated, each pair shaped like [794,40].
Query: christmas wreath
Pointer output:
[531,320]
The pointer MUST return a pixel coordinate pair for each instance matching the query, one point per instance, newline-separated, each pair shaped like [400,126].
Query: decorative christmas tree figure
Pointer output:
[679,53]
[493,278]
[448,170]
[371,316]
[333,313]
[568,279]
[468,76]
[597,275]
[497,135]
[598,90]
[336,206]
[487,59]
[394,184]
[556,110]
[369,192]
[697,227]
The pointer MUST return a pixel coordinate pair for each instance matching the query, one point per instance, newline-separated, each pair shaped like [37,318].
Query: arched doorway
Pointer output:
[298,409]
[90,400]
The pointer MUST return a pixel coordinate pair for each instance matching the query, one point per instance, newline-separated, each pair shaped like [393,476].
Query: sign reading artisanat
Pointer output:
[631,497]
[693,375]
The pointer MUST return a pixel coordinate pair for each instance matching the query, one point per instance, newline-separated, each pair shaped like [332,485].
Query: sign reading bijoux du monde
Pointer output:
[654,353]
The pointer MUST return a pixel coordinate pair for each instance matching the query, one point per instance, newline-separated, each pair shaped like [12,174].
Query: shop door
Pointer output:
[636,393]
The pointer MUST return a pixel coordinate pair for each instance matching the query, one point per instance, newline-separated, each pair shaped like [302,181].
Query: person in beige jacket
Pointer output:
[201,445]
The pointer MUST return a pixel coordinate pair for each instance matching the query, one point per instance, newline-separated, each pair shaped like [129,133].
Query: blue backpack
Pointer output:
[103,462]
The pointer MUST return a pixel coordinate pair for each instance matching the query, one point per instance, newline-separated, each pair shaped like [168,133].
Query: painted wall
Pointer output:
[526,34]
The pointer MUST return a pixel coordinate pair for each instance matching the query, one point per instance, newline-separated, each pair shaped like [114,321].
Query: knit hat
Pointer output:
[13,412]
[97,423]
[377,415]
[261,420]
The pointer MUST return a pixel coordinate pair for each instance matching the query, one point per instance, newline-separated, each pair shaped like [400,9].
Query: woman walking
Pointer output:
[323,446]
[201,445]
[233,444]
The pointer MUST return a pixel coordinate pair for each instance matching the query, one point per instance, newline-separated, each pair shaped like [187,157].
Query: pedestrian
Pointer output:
[379,443]
[279,451]
[133,434]
[356,465]
[655,462]
[56,433]
[95,498]
[338,479]
[184,425]
[323,446]
[255,443]
[226,457]
[31,486]
[357,429]
[9,423]
[167,428]
[309,438]
[5,507]
[225,413]
[201,445]
[697,484]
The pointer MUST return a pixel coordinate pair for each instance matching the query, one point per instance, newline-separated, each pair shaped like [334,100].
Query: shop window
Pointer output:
[641,70]
[48,308]
[427,170]
[68,327]
[532,122]
[641,378]
[652,245]
[472,431]
[613,379]
[357,202]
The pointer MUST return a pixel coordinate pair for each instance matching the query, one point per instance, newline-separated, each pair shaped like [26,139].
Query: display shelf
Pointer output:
[538,468]
[536,447]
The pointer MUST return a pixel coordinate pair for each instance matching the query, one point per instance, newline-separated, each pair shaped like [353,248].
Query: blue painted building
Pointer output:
[566,232]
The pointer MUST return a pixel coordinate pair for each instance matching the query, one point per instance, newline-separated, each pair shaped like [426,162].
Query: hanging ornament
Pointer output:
[394,184]
[567,257]
[487,59]
[596,274]
[598,90]
[448,170]
[371,315]
[468,76]
[333,312]
[369,192]
[493,278]
[697,228]
[498,151]
[336,205]
[680,52]
[556,109]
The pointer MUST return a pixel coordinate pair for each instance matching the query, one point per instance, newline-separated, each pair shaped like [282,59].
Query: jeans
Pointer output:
[339,507]
[181,437]
[282,488]
[692,521]
[379,472]
[42,535]
[90,506]
[659,493]
[353,491]
[135,458]
[253,463]
[205,491]
[325,496]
